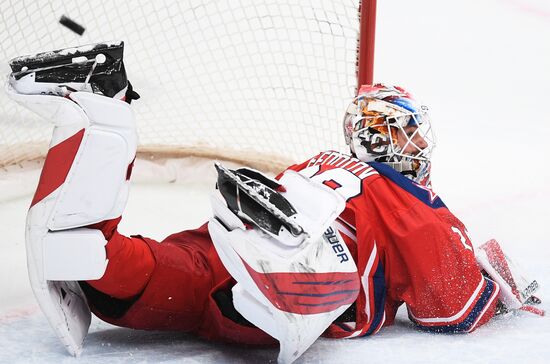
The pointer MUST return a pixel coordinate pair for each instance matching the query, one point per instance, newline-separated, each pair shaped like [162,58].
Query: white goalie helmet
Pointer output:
[385,124]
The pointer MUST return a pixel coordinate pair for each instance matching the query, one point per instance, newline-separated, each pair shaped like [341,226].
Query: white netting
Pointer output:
[247,78]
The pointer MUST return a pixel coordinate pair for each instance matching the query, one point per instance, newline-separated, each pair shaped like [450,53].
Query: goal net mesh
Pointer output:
[244,80]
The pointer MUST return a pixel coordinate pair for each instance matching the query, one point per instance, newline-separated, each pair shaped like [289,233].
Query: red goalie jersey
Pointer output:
[407,246]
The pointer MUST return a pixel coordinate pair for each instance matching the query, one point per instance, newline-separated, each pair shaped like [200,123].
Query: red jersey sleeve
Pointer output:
[432,268]
[428,257]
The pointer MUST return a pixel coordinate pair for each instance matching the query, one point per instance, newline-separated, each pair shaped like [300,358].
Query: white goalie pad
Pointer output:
[60,111]
[55,258]
[74,255]
[515,289]
[95,188]
[291,291]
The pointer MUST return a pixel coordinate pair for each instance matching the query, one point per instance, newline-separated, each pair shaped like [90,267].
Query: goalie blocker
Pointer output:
[294,273]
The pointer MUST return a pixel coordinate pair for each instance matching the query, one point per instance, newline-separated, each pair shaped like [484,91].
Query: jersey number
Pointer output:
[347,184]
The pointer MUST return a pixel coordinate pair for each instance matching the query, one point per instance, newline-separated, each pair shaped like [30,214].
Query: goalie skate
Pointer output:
[254,198]
[96,68]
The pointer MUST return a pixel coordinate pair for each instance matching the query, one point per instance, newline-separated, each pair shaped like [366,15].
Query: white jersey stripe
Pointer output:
[381,323]
[365,280]
[494,295]
[344,230]
[349,226]
[365,284]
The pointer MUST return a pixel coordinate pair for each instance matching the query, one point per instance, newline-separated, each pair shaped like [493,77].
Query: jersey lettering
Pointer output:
[361,169]
[345,174]
[331,237]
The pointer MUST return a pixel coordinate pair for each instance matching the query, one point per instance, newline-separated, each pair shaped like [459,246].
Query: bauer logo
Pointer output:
[338,247]
[528,292]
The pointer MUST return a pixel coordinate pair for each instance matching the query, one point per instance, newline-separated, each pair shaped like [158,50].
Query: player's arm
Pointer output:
[438,276]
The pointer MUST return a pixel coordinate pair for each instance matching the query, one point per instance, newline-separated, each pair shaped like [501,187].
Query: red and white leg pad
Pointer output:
[83,181]
[516,291]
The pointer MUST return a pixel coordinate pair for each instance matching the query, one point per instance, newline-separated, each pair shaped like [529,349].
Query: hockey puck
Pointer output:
[72,25]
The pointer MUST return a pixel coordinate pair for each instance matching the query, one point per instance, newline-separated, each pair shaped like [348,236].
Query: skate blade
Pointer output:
[105,56]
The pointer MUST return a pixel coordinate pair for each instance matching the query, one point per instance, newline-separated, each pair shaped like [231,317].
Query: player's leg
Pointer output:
[170,296]
[130,263]
[83,181]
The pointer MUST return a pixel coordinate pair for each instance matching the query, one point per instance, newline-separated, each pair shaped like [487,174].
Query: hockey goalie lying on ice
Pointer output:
[332,246]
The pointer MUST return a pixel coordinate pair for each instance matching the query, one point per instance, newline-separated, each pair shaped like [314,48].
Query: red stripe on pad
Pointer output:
[535,310]
[130,169]
[57,165]
[307,292]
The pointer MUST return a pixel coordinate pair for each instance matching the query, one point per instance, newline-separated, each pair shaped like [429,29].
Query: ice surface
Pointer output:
[482,66]
[505,340]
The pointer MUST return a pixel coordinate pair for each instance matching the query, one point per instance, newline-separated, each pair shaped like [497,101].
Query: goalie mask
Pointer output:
[385,124]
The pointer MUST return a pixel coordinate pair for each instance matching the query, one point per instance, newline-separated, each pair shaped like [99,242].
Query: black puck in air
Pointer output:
[72,25]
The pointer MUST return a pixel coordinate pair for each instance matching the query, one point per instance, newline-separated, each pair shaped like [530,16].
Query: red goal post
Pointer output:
[262,83]
[365,44]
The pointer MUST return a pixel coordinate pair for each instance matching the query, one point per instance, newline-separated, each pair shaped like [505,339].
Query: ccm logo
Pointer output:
[332,238]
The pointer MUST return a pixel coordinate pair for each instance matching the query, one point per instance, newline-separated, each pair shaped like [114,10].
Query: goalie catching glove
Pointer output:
[294,273]
[516,291]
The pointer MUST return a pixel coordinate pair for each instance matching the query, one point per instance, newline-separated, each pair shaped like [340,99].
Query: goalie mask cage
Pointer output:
[263,83]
